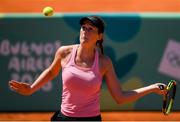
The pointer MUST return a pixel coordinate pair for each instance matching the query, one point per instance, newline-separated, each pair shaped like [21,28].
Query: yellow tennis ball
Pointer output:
[48,11]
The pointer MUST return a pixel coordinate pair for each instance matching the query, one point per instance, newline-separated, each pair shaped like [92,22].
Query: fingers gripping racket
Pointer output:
[168,99]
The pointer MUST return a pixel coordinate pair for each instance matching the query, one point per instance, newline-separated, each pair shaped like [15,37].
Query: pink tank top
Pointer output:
[81,88]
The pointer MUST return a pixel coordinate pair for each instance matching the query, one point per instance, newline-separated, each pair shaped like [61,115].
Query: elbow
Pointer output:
[120,100]
[124,100]
[119,97]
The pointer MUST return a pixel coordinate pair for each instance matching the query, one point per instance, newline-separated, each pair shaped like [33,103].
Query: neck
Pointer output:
[85,52]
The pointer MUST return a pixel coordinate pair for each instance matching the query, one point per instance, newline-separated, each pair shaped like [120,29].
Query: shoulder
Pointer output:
[63,51]
[105,62]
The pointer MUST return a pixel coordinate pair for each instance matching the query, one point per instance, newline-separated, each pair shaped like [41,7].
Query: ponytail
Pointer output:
[99,43]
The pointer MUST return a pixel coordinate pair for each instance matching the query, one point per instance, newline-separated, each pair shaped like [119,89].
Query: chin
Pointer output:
[83,41]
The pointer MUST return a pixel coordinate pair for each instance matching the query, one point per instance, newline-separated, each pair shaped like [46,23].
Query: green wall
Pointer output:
[137,44]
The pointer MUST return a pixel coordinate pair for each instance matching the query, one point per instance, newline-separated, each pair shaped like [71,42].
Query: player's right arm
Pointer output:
[48,74]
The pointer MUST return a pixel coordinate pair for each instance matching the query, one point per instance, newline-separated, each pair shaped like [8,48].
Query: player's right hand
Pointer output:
[20,87]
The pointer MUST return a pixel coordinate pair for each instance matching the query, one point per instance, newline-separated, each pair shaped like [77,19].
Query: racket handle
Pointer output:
[161,87]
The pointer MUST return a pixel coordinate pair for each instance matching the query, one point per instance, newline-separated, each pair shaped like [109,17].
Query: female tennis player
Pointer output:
[84,66]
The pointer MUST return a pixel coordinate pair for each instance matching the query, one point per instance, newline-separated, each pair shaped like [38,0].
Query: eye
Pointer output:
[90,29]
[83,27]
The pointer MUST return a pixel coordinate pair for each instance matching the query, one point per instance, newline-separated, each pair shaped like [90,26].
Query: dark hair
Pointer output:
[99,23]
[99,43]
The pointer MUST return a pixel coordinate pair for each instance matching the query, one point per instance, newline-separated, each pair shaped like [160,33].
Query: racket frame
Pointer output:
[167,108]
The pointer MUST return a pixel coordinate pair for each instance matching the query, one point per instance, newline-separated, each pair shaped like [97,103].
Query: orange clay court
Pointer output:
[35,6]
[28,6]
[106,116]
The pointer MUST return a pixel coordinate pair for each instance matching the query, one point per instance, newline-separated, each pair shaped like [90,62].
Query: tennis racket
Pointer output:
[168,99]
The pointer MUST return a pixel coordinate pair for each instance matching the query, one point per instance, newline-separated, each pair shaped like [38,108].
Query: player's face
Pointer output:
[89,34]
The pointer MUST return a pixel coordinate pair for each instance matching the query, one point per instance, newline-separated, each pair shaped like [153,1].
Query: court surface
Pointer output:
[106,116]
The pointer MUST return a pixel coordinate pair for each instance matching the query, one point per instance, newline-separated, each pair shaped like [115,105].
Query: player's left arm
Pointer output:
[126,96]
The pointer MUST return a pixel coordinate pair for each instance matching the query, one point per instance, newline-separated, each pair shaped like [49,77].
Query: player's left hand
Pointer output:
[160,88]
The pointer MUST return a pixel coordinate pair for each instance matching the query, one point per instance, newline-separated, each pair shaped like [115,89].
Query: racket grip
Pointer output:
[161,87]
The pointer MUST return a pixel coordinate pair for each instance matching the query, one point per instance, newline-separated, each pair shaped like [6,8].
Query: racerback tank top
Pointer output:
[81,88]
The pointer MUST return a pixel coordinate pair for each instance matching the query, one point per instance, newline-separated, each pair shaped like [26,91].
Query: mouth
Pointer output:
[84,38]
